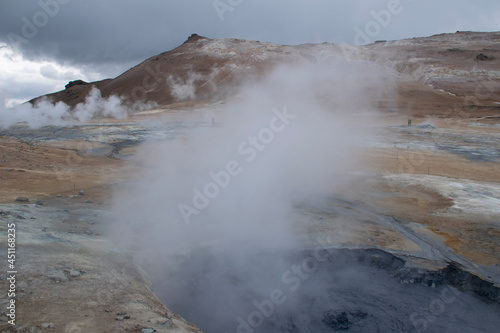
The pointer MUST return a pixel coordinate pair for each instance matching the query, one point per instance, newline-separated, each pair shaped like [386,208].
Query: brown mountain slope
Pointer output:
[199,67]
[460,69]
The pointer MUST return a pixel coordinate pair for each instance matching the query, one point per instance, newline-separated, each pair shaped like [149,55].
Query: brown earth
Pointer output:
[44,171]
[111,294]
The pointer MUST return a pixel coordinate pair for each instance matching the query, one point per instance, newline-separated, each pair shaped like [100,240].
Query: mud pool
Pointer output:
[325,291]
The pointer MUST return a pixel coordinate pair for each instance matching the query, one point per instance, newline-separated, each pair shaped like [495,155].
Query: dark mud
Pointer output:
[326,290]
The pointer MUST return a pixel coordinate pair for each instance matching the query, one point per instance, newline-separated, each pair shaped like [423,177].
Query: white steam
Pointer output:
[279,161]
[188,89]
[230,189]
[183,90]
[46,113]
[96,105]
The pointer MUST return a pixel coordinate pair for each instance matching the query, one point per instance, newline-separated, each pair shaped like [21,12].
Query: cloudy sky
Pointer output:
[46,43]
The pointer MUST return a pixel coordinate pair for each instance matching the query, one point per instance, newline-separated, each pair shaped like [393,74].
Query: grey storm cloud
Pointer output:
[124,30]
[112,35]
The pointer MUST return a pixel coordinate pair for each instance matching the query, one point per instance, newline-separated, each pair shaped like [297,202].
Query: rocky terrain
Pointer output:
[463,64]
[422,204]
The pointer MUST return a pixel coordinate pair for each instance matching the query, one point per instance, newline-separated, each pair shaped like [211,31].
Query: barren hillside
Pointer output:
[464,64]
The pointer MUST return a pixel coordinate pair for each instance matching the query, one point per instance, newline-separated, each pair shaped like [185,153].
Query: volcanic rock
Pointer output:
[76,83]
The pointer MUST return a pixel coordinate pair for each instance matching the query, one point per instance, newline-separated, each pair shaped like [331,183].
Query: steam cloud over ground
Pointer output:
[228,190]
[286,138]
[46,113]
